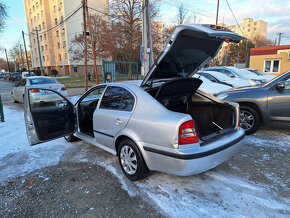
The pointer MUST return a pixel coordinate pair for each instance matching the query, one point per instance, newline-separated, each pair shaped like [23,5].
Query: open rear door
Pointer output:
[48,115]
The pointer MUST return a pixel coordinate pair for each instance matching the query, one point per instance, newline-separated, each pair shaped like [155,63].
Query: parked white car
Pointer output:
[234,72]
[39,81]
[211,87]
[268,77]
[26,74]
[221,78]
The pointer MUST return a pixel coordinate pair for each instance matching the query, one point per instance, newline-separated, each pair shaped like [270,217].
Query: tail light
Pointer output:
[34,90]
[187,133]
[63,89]
[239,117]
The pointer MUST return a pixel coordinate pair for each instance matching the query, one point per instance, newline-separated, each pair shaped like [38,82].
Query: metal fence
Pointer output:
[114,71]
[1,111]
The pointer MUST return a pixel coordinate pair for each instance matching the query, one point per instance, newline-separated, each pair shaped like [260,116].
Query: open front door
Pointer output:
[48,115]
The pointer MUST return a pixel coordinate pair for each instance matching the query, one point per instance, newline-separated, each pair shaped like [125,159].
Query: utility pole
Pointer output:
[217,12]
[7,60]
[39,54]
[92,44]
[279,38]
[85,44]
[147,39]
[28,68]
[21,53]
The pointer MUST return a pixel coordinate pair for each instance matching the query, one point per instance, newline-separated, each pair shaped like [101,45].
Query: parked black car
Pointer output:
[15,76]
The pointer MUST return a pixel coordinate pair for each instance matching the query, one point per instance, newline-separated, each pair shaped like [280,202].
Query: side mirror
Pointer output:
[281,85]
[13,85]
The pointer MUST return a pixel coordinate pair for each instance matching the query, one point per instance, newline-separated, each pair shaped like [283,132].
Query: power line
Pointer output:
[235,18]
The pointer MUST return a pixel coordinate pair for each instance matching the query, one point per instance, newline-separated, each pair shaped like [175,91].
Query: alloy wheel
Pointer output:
[247,120]
[128,159]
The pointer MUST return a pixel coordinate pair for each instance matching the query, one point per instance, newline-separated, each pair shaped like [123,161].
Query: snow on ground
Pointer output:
[215,193]
[14,146]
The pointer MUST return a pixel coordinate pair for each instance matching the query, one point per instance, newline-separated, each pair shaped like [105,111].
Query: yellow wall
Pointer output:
[257,61]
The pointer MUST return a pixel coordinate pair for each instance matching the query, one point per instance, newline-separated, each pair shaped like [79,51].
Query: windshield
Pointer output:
[37,81]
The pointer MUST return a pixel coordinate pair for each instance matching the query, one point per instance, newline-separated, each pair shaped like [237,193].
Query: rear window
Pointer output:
[37,81]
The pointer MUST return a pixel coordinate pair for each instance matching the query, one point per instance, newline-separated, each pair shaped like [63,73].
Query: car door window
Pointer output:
[211,78]
[228,73]
[22,82]
[287,83]
[117,98]
[95,94]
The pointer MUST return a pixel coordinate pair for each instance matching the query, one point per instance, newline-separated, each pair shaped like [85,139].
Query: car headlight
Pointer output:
[222,96]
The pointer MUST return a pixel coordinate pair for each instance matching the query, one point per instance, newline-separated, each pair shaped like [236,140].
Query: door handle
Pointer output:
[118,121]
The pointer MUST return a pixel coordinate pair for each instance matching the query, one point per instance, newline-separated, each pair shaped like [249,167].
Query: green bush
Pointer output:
[54,72]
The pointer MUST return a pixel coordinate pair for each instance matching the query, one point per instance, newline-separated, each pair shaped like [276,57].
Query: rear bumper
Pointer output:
[191,161]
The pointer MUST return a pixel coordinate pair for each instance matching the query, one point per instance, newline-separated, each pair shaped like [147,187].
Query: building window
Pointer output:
[31,21]
[54,8]
[272,66]
[33,8]
[41,14]
[59,57]
[64,44]
[39,27]
[75,69]
[42,49]
[255,23]
[40,38]
[255,28]
[34,41]
[65,55]
[43,58]
[57,33]
[43,25]
[47,57]
[58,45]
[45,47]
[61,18]
[249,30]
[55,21]
[44,36]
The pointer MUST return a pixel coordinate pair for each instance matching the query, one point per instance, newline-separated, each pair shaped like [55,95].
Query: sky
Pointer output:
[275,13]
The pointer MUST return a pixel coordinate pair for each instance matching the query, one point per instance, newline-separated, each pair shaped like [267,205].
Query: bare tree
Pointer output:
[101,39]
[260,41]
[3,15]
[183,15]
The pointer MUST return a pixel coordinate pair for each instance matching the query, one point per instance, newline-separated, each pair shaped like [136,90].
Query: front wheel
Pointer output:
[250,119]
[70,138]
[131,160]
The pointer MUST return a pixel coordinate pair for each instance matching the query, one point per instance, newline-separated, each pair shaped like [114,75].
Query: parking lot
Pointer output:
[58,178]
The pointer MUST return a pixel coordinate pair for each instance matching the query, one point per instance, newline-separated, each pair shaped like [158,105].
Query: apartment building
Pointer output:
[55,36]
[249,28]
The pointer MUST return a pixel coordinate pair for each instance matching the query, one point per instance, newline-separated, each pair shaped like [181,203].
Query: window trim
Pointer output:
[271,66]
[134,96]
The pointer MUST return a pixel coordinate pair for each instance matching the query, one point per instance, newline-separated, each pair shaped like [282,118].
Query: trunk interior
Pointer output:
[211,118]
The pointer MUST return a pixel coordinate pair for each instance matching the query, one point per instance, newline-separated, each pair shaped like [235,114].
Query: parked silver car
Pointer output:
[267,103]
[18,89]
[163,125]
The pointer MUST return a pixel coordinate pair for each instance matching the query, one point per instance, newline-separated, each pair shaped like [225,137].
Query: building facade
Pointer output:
[249,29]
[56,35]
[273,59]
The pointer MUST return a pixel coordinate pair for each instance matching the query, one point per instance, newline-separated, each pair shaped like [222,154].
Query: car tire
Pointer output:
[71,138]
[130,156]
[250,119]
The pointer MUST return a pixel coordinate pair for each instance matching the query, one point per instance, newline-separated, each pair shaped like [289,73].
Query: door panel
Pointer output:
[113,114]
[279,103]
[48,115]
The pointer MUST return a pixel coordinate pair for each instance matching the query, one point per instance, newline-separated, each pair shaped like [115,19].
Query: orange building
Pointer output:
[273,59]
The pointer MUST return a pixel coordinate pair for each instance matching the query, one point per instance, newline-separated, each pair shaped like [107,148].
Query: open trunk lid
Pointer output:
[190,46]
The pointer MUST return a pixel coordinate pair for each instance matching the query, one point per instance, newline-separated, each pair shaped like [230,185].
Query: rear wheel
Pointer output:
[131,160]
[250,119]
[71,138]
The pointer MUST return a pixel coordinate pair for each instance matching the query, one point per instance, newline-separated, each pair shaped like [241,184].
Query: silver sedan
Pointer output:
[165,124]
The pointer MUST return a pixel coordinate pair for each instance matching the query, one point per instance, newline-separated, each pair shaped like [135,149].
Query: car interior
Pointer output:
[86,109]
